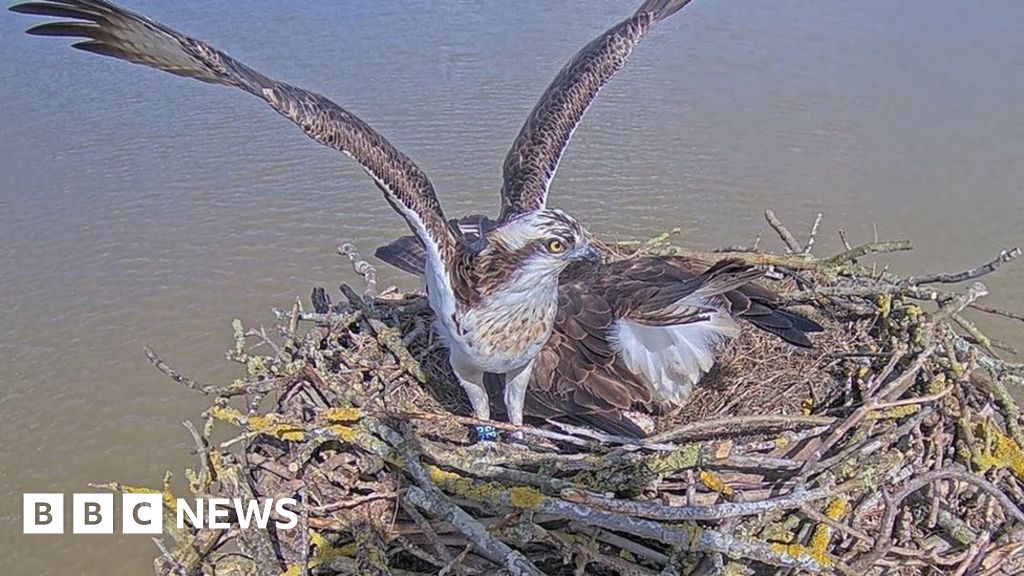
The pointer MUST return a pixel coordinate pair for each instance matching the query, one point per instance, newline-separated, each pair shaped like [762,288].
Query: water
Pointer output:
[140,208]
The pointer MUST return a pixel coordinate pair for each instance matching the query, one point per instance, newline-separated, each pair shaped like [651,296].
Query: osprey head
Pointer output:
[540,244]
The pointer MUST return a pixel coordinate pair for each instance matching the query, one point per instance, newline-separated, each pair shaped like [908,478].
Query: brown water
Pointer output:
[140,208]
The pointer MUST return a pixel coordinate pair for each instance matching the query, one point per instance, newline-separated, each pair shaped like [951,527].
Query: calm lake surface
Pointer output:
[138,208]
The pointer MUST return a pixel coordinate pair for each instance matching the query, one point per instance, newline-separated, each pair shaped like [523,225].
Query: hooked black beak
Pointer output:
[590,254]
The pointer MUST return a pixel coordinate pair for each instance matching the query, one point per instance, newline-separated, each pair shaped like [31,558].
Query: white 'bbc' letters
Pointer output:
[92,513]
[42,513]
[142,513]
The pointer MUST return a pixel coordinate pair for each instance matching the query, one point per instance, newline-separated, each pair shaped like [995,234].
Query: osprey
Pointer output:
[634,334]
[495,298]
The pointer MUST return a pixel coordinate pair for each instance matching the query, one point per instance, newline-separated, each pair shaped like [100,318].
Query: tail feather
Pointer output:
[788,326]
[790,335]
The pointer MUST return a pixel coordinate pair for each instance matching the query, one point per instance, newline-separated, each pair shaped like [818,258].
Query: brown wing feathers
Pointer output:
[645,289]
[113,31]
[531,162]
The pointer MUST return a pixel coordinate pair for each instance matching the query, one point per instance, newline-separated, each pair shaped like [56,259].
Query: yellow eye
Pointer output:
[556,246]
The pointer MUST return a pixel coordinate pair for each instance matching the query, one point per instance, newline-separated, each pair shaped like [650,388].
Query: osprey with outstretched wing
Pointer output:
[632,333]
[495,300]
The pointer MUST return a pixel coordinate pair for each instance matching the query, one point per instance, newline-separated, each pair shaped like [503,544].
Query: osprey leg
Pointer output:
[516,382]
[472,381]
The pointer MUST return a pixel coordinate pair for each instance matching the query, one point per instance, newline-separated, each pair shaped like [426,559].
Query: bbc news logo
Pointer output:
[144,513]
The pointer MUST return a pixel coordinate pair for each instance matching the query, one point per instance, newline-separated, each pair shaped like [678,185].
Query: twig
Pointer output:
[361,267]
[655,511]
[439,548]
[869,248]
[957,303]
[206,475]
[496,550]
[706,540]
[842,238]
[814,233]
[997,312]
[792,245]
[320,318]
[612,438]
[987,268]
[428,497]
[158,362]
[736,423]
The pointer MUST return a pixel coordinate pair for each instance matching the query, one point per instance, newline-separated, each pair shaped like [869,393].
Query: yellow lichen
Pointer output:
[170,502]
[316,539]
[734,569]
[523,497]
[341,414]
[481,491]
[195,484]
[884,303]
[269,425]
[894,413]
[345,433]
[215,463]
[686,456]
[348,550]
[799,550]
[1000,451]
[777,532]
[820,539]
[822,535]
[937,384]
[714,483]
[239,333]
[326,551]
[1009,453]
[837,508]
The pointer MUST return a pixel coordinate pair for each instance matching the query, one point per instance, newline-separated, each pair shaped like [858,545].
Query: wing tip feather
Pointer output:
[661,9]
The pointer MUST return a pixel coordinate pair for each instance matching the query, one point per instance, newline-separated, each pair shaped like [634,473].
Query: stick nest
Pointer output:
[893,447]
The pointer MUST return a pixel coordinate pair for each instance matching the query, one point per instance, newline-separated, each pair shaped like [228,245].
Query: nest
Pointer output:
[893,447]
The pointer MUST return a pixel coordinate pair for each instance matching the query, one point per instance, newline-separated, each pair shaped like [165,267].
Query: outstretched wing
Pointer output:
[113,31]
[533,159]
